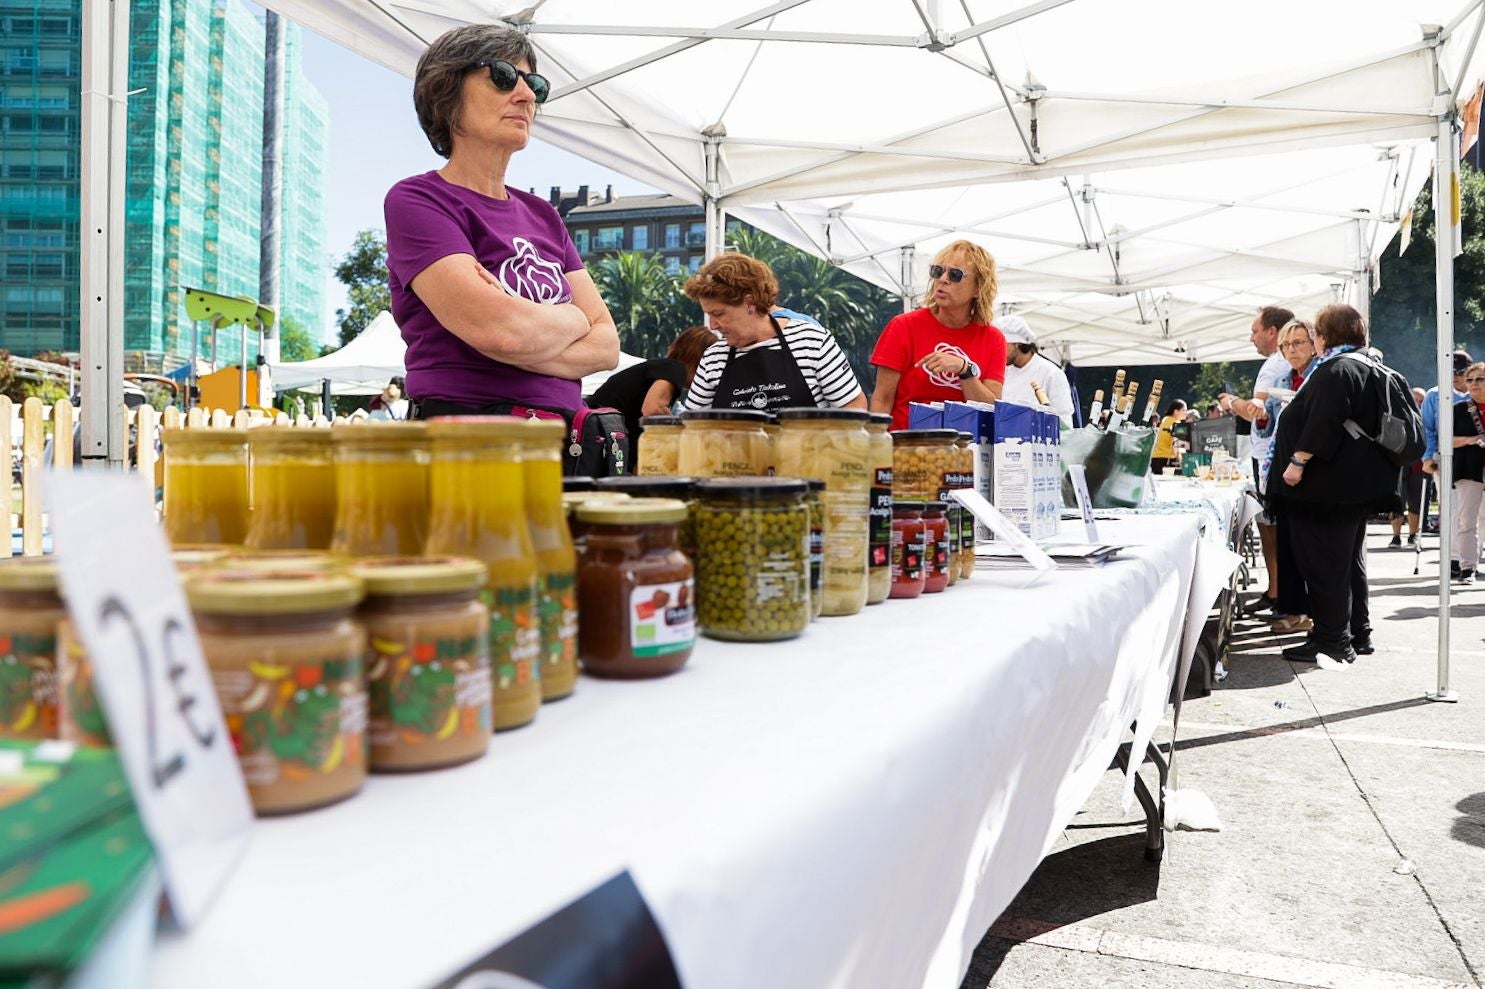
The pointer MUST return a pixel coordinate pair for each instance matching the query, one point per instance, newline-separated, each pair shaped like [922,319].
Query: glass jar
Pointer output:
[879,535]
[283,560]
[936,557]
[381,488]
[814,498]
[909,546]
[206,485]
[724,443]
[636,589]
[966,542]
[659,446]
[293,485]
[572,502]
[922,460]
[429,660]
[478,505]
[285,657]
[771,429]
[753,577]
[556,558]
[832,445]
[30,609]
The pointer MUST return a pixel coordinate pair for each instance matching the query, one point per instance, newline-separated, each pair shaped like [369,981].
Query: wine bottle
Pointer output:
[1040,393]
[1095,411]
[1116,419]
[1129,399]
[1152,407]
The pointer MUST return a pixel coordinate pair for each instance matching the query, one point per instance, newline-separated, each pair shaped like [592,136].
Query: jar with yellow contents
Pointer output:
[724,443]
[285,655]
[556,559]
[381,489]
[206,485]
[293,485]
[659,446]
[30,609]
[477,498]
[428,673]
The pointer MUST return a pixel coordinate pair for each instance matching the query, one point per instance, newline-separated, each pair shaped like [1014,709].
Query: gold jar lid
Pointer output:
[194,556]
[274,437]
[419,574]
[252,592]
[475,428]
[296,560]
[635,511]
[573,500]
[28,573]
[204,437]
[379,434]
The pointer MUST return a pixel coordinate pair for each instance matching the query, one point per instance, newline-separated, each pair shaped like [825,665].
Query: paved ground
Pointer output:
[1352,853]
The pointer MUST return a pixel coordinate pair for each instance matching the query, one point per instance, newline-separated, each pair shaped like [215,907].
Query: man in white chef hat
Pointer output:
[1025,364]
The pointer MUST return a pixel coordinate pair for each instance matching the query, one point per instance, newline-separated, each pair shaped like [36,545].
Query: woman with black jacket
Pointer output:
[1469,470]
[1330,483]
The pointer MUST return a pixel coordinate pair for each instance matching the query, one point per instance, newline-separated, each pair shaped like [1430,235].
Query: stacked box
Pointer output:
[925,415]
[1015,464]
[978,420]
[1048,470]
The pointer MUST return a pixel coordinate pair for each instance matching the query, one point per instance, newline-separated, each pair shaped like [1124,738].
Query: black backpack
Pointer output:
[1399,426]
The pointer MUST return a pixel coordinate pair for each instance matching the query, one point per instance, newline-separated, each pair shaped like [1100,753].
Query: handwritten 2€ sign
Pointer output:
[125,600]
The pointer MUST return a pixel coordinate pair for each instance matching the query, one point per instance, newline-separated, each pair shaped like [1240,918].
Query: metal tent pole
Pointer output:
[907,256]
[105,85]
[269,258]
[715,216]
[1445,209]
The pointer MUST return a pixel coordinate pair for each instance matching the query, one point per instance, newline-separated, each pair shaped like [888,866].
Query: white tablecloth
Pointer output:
[852,808]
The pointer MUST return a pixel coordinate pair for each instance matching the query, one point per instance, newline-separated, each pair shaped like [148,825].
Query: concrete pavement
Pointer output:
[1352,853]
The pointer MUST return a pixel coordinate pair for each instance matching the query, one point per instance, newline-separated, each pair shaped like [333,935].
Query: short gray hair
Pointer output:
[438,83]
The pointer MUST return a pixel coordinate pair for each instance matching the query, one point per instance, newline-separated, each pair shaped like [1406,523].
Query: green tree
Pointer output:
[363,271]
[294,344]
[645,300]
[1213,379]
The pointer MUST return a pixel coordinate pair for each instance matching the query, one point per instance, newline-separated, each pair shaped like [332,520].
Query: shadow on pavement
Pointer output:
[1455,610]
[1470,828]
[1072,885]
[1288,726]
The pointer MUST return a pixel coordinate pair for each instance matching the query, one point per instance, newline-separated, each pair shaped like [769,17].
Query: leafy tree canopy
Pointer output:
[363,271]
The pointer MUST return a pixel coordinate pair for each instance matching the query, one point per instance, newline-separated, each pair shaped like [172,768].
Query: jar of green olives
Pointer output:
[752,536]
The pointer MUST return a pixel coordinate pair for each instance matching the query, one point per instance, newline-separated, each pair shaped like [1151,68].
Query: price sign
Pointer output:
[125,600]
[1079,475]
[1004,528]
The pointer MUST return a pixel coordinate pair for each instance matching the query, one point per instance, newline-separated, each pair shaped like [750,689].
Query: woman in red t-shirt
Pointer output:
[946,351]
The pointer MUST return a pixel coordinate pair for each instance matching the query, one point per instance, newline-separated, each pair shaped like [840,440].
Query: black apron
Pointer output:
[763,379]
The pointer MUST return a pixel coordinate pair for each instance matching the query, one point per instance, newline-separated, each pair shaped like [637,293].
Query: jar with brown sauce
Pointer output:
[636,589]
[285,656]
[428,665]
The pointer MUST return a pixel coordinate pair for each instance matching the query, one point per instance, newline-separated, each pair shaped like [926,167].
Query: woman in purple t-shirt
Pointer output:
[491,295]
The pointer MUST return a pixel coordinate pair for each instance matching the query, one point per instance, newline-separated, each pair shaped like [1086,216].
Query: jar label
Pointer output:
[662,618]
[940,559]
[557,609]
[295,722]
[28,686]
[430,690]
[515,636]
[907,556]
[817,559]
[879,510]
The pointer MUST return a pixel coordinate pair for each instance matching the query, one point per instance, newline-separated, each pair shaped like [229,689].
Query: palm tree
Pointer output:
[645,301]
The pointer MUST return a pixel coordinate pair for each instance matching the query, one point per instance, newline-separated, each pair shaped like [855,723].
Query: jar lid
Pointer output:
[925,434]
[28,573]
[966,437]
[634,511]
[274,436]
[477,428]
[650,486]
[746,488]
[814,484]
[935,506]
[907,506]
[843,415]
[573,485]
[881,419]
[647,421]
[283,560]
[376,433]
[203,436]
[256,592]
[724,415]
[420,574]
[195,556]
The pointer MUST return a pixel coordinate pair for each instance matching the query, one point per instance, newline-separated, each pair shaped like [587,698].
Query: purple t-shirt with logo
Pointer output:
[520,240]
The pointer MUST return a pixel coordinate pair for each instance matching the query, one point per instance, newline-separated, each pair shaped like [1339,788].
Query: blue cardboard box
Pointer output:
[975,418]
[925,415]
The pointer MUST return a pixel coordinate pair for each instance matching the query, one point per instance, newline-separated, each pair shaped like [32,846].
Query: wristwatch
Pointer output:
[1296,461]
[971,370]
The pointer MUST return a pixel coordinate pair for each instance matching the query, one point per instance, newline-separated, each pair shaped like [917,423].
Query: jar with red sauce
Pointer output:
[937,559]
[909,547]
[636,589]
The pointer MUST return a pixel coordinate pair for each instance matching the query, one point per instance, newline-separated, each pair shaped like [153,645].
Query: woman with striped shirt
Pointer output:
[763,362]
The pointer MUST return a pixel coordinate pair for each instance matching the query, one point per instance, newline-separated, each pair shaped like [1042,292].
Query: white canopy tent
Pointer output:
[797,112]
[361,367]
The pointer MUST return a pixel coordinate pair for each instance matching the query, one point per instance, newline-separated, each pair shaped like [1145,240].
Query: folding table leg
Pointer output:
[1154,831]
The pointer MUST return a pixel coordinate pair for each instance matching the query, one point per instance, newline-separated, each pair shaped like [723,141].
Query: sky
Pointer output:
[375,142]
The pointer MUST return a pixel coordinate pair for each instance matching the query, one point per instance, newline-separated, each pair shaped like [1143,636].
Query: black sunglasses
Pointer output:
[505,76]
[936,271]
